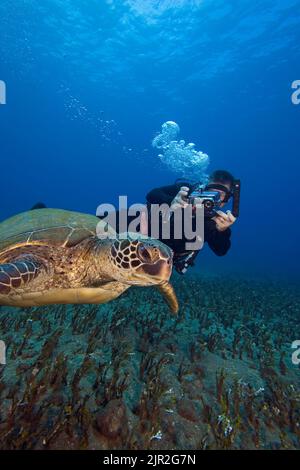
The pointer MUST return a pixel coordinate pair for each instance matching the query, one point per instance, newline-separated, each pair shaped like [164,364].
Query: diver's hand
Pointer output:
[224,221]
[181,199]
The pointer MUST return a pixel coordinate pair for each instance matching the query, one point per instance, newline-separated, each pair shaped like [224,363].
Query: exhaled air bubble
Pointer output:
[179,157]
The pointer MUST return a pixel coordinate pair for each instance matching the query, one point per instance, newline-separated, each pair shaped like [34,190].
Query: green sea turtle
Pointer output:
[53,256]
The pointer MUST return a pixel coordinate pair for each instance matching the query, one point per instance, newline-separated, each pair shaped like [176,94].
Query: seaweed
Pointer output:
[128,375]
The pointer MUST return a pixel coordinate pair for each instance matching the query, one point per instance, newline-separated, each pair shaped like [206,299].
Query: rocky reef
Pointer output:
[129,375]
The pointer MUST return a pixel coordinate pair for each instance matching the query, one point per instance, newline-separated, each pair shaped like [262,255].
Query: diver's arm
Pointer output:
[165,194]
[219,242]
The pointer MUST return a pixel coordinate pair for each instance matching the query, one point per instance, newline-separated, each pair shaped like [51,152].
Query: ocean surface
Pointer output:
[85,87]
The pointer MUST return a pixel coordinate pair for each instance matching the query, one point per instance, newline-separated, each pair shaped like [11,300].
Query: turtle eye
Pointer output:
[144,254]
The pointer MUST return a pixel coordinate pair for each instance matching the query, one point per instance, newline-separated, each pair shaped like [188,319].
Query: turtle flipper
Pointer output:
[18,273]
[167,290]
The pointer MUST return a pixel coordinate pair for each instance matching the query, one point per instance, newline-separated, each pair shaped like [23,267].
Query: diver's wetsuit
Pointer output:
[219,242]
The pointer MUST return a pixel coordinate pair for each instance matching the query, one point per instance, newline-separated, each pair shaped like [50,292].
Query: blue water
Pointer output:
[90,82]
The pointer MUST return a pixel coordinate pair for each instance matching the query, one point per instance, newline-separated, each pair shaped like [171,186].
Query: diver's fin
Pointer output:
[39,205]
[167,291]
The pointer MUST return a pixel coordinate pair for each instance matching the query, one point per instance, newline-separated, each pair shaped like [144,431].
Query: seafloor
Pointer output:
[129,375]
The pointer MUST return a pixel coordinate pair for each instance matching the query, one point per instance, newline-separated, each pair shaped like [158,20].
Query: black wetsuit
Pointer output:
[219,242]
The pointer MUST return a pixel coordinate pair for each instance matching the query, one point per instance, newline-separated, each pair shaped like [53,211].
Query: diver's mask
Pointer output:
[211,200]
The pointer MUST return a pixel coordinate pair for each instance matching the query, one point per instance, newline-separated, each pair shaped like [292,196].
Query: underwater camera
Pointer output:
[211,200]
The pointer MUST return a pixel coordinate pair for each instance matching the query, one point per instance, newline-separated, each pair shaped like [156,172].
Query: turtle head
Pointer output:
[141,261]
[136,260]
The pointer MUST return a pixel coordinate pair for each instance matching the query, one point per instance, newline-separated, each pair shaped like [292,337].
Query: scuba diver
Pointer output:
[217,233]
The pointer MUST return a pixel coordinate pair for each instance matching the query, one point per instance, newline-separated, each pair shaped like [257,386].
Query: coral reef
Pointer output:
[128,375]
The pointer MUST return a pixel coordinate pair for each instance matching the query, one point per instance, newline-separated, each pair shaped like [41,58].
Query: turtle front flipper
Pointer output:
[18,273]
[167,290]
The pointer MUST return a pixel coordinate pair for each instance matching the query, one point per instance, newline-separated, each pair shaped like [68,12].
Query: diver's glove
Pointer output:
[181,199]
[223,221]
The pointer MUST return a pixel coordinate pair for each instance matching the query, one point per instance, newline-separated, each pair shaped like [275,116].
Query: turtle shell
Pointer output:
[49,226]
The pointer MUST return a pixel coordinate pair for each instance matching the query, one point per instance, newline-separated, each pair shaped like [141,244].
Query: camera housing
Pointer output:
[209,199]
